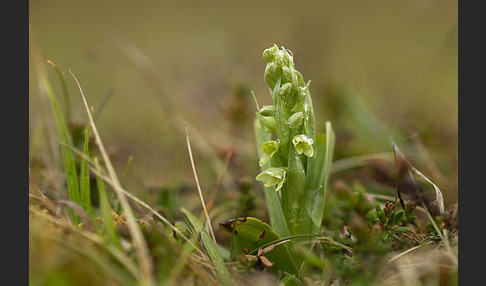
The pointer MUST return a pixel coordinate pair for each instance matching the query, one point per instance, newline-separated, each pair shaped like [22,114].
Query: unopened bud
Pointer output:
[268,123]
[268,110]
[284,58]
[286,74]
[271,74]
[269,54]
[295,119]
[285,89]
[300,78]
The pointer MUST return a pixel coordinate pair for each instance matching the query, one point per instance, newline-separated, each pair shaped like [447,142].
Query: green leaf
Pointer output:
[294,193]
[66,153]
[251,233]
[84,183]
[381,216]
[106,210]
[330,142]
[67,101]
[391,219]
[377,208]
[317,178]
[211,247]
[286,279]
[97,259]
[399,217]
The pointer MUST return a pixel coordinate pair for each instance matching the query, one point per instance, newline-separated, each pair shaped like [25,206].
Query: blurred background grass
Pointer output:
[378,69]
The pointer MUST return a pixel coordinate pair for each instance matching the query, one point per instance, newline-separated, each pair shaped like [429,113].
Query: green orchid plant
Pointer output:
[295,160]
[295,164]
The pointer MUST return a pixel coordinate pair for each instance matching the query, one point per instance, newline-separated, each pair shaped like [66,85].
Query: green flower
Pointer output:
[303,144]
[269,148]
[272,177]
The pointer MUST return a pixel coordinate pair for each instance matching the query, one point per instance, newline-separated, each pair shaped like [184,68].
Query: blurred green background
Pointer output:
[379,70]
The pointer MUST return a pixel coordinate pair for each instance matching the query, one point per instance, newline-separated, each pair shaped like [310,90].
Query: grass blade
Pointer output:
[210,246]
[122,276]
[66,153]
[143,256]
[84,189]
[106,210]
[67,101]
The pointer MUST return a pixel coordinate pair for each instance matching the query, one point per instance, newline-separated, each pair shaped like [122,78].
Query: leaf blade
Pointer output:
[66,145]
[252,234]
[84,185]
[106,210]
[210,246]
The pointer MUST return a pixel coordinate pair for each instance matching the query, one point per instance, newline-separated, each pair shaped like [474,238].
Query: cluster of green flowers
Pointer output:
[291,118]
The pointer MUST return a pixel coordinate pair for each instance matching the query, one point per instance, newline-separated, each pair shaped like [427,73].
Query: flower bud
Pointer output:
[269,54]
[300,78]
[303,144]
[295,119]
[284,58]
[286,74]
[271,74]
[268,110]
[268,123]
[285,90]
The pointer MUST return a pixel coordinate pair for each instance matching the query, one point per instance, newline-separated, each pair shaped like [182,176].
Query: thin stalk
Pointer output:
[199,187]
